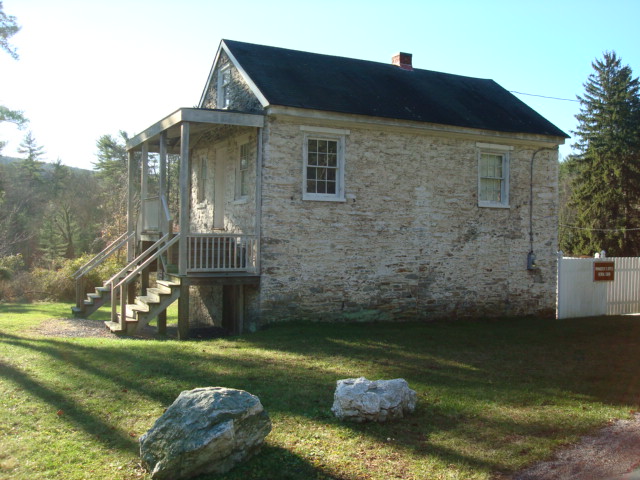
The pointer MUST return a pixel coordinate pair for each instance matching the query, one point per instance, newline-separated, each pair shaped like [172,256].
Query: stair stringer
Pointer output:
[149,306]
[93,302]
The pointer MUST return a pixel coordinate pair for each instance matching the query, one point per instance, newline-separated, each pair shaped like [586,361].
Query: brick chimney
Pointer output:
[402,60]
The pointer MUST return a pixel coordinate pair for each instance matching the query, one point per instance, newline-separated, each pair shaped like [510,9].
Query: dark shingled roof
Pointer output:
[336,84]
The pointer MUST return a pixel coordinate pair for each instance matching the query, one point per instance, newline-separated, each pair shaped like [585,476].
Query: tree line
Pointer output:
[50,213]
[600,182]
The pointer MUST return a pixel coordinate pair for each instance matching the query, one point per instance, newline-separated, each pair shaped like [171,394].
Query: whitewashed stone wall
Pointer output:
[410,242]
[220,150]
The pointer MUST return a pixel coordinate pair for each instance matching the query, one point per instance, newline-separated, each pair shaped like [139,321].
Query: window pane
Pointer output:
[331,187]
[321,187]
[313,146]
[490,190]
[491,165]
[244,184]
[311,186]
[332,147]
[331,174]
[311,173]
[313,159]
[332,160]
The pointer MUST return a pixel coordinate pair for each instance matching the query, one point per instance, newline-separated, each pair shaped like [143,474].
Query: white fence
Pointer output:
[580,296]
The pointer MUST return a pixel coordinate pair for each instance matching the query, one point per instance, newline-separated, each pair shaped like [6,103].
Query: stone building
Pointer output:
[316,187]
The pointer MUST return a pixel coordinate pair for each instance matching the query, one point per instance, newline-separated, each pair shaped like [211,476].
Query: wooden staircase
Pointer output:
[146,307]
[93,302]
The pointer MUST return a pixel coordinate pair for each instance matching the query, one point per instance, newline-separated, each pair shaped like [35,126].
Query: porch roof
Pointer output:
[200,119]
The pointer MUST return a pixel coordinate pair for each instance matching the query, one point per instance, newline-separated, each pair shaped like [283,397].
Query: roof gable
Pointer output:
[299,79]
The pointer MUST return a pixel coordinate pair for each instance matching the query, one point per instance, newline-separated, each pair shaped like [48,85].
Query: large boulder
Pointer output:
[361,400]
[206,430]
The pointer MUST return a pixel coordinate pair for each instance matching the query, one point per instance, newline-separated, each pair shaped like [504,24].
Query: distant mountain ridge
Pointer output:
[5,160]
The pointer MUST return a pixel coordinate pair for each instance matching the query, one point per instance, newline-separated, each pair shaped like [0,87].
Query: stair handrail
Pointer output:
[123,282]
[80,274]
[133,263]
[103,255]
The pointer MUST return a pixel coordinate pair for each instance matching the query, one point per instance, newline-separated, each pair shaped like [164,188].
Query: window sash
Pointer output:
[323,168]
[202,179]
[224,86]
[242,189]
[493,181]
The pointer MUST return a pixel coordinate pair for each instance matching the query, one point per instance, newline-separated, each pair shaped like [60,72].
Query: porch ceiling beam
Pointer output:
[196,116]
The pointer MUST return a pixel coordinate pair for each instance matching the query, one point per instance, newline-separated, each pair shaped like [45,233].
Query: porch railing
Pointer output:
[80,275]
[120,282]
[212,252]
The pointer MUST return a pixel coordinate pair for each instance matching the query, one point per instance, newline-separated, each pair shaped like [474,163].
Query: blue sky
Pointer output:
[93,68]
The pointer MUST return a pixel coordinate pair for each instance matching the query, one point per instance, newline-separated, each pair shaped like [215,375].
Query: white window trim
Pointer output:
[495,149]
[223,100]
[320,133]
[203,174]
[239,197]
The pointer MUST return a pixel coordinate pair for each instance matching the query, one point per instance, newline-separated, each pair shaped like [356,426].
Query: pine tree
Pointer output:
[606,190]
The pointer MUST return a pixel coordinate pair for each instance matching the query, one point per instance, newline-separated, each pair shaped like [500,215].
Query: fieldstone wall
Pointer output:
[410,241]
[220,151]
[205,306]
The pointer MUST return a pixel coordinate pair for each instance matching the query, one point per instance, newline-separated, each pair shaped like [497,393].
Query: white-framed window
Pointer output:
[224,86]
[493,175]
[203,175]
[242,171]
[323,160]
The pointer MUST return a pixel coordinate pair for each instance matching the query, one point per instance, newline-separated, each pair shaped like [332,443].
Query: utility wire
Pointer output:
[544,96]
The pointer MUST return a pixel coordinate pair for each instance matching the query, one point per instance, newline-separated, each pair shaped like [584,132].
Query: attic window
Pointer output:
[224,87]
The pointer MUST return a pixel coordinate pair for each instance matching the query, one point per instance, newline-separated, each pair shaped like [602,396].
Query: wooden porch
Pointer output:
[156,244]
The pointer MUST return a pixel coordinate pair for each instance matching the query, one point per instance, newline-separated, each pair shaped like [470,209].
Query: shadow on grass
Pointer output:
[69,411]
[458,369]
[284,390]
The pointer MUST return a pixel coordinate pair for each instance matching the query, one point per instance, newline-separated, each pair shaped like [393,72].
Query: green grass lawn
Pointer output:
[493,396]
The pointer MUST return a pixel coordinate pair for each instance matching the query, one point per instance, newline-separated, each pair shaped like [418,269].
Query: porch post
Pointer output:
[185,194]
[131,193]
[144,172]
[185,198]
[258,225]
[162,181]
[164,222]
[183,310]
[144,182]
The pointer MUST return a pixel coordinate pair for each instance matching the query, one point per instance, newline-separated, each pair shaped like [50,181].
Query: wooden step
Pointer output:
[139,306]
[168,283]
[114,327]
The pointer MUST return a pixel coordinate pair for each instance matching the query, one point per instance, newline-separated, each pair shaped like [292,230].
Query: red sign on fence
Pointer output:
[603,271]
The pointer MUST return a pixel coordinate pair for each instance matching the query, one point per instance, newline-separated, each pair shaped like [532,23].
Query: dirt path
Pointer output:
[612,453]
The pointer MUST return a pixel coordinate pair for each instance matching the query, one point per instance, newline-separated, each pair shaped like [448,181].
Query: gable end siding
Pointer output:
[241,96]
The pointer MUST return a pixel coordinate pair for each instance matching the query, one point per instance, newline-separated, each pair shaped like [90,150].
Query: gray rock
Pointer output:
[206,430]
[360,400]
